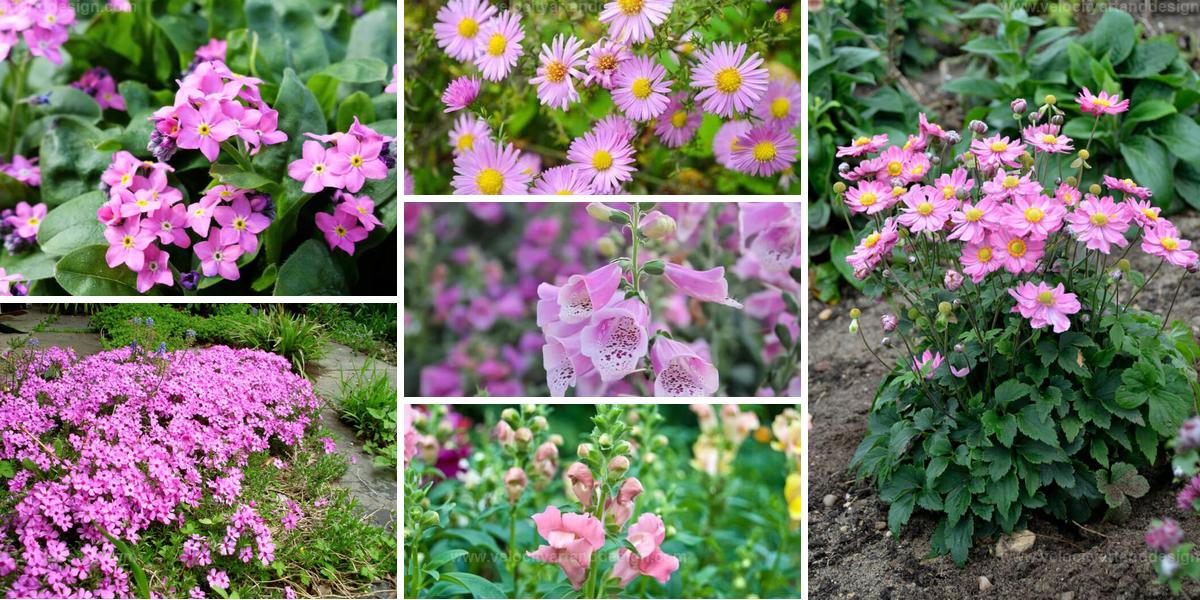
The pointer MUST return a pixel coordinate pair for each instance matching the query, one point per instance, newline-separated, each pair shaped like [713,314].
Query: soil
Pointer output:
[852,556]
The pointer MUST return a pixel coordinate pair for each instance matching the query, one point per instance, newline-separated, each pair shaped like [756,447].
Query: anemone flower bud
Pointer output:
[523,436]
[1056,120]
[978,127]
[959,348]
[618,466]
[657,226]
[953,137]
[582,483]
[886,342]
[888,322]
[853,325]
[514,483]
[504,434]
[953,280]
[839,187]
[1018,106]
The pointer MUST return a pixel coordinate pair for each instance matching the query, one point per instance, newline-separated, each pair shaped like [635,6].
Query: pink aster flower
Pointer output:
[356,161]
[874,248]
[709,286]
[501,37]
[925,210]
[217,258]
[557,71]
[1044,305]
[616,339]
[869,197]
[1163,241]
[640,89]
[562,181]
[982,257]
[863,145]
[780,105]
[156,270]
[1068,195]
[1010,186]
[460,93]
[972,221]
[127,244]
[468,130]
[362,209]
[1035,217]
[603,157]
[1019,255]
[680,372]
[730,82]
[633,21]
[458,28]
[764,150]
[1127,186]
[240,225]
[647,558]
[1100,223]
[314,168]
[725,143]
[677,125]
[928,129]
[1104,104]
[927,363]
[489,169]
[572,540]
[205,129]
[997,152]
[617,124]
[1145,214]
[341,230]
[1047,138]
[605,58]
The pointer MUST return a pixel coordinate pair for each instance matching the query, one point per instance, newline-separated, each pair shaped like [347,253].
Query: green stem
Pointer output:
[513,555]
[1167,319]
[15,106]
[635,216]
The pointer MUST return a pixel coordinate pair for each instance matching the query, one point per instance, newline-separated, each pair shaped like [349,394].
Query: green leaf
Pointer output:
[1009,391]
[84,272]
[235,176]
[139,576]
[299,113]
[310,271]
[71,166]
[1145,112]
[1099,452]
[1151,167]
[958,499]
[1150,58]
[444,557]
[1036,426]
[358,70]
[358,105]
[1138,383]
[66,100]
[1114,35]
[1179,133]
[72,225]
[900,511]
[1168,411]
[374,34]
[476,585]
[1121,483]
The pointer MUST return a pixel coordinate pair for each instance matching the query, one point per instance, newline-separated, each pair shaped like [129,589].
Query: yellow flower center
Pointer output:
[1034,214]
[917,170]
[564,193]
[466,141]
[898,191]
[999,146]
[340,231]
[556,71]
[33,221]
[679,119]
[490,181]
[51,19]
[984,254]
[1099,219]
[239,223]
[468,27]
[868,199]
[141,203]
[497,45]
[1011,182]
[1129,182]
[126,178]
[601,160]
[630,7]
[764,151]
[1170,243]
[127,241]
[687,47]
[780,107]
[925,209]
[640,88]
[1046,298]
[607,62]
[1049,139]
[895,168]
[204,129]
[949,192]
[1016,248]
[974,215]
[356,161]
[1102,102]
[729,80]
[1068,198]
[362,210]
[1150,214]
[872,239]
[318,168]
[862,141]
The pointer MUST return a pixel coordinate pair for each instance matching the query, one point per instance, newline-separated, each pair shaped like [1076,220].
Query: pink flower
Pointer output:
[604,157]
[997,152]
[730,82]
[677,125]
[501,45]
[572,540]
[634,21]
[155,270]
[1100,223]
[953,280]
[764,150]
[1047,138]
[929,129]
[1104,104]
[205,129]
[616,339]
[1067,195]
[218,579]
[361,208]
[240,225]
[1035,217]
[27,219]
[709,286]
[489,169]
[341,230]
[460,93]
[582,295]
[314,168]
[1044,305]
[217,258]
[981,257]
[874,247]
[200,215]
[515,481]
[640,89]
[1127,186]
[1005,186]
[1142,212]
[355,161]
[781,104]
[127,244]
[563,361]
[621,507]
[680,372]
[1164,242]
[558,70]
[458,28]
[972,221]
[1019,255]
[863,145]
[583,485]
[927,363]
[647,536]
[566,180]
[869,197]
[925,209]
[605,57]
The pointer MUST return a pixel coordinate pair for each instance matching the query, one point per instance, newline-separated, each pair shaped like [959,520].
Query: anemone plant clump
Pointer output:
[1027,379]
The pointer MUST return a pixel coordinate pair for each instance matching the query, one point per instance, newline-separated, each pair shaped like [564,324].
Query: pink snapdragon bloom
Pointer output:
[205,129]
[709,286]
[1104,104]
[927,363]
[127,244]
[680,371]
[925,209]
[583,484]
[1128,186]
[1034,216]
[572,540]
[616,339]
[1047,138]
[1100,223]
[582,295]
[863,145]
[1163,241]
[997,152]
[216,258]
[155,271]
[647,536]
[621,507]
[341,230]
[1044,305]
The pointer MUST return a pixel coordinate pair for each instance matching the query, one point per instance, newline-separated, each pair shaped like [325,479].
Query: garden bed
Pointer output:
[849,555]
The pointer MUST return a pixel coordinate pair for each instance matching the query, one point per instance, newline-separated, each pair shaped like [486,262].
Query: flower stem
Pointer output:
[513,555]
[634,216]
[1167,319]
[15,106]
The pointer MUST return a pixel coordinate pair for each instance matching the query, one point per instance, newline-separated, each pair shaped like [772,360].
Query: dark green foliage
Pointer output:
[117,328]
[367,401]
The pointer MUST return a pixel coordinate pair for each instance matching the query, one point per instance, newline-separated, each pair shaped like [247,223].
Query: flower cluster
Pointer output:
[20,226]
[44,25]
[99,84]
[787,428]
[145,216]
[439,436]
[358,154]
[23,169]
[726,80]
[716,447]
[141,448]
[530,449]
[213,105]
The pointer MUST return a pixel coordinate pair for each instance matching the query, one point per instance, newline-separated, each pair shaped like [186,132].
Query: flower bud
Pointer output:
[606,247]
[886,342]
[1094,189]
[843,168]
[945,308]
[953,280]
[855,313]
[1189,435]
[1168,565]
[504,434]
[581,483]
[1056,120]
[523,436]
[654,267]
[953,137]
[782,15]
[583,450]
[1084,154]
[556,439]
[1050,100]
[1164,535]
[623,448]
[839,188]
[1072,181]
[514,483]
[539,424]
[430,519]
[660,441]
[959,348]
[657,226]
[509,415]
[889,322]
[618,466]
[429,448]
[600,211]
[978,127]
[1018,106]
[605,440]
[1123,265]
[913,313]
[853,325]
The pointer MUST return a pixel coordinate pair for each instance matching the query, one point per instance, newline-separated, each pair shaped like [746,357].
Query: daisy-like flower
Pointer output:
[725,143]
[891,164]
[604,59]
[634,20]
[780,105]
[980,258]
[927,363]
[1044,305]
[639,89]
[997,152]
[730,81]
[1035,217]
[764,150]
[617,124]
[1128,186]
[1104,104]
[1163,241]
[677,124]
[863,145]
[869,197]
[954,183]
[604,158]
[973,221]
[468,130]
[1006,186]
[1068,195]
[1143,212]
[458,27]
[929,129]
[501,38]
[925,210]
[1019,255]
[562,181]
[1047,138]
[873,248]
[489,169]
[460,93]
[917,167]
[1100,223]
[558,70]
